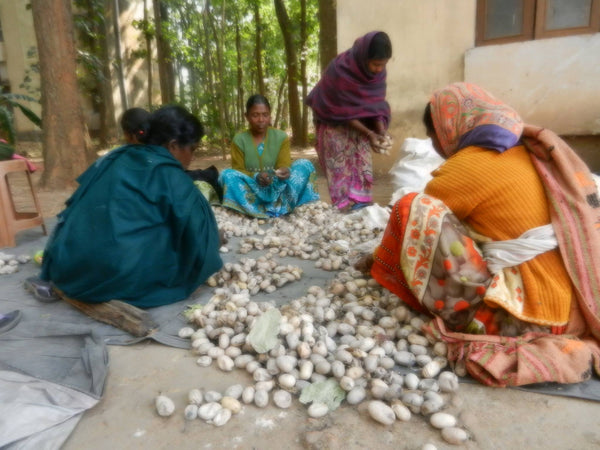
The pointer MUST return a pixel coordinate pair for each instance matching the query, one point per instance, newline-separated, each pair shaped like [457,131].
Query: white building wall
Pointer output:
[553,82]
[429,40]
[19,37]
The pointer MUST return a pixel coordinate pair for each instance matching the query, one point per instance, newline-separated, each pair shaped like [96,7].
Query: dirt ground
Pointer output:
[52,201]
[496,419]
[125,418]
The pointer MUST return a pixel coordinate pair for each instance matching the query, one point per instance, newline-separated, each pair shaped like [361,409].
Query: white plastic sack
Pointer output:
[413,171]
[374,216]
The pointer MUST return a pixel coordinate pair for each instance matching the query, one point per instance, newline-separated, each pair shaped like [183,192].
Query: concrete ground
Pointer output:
[125,418]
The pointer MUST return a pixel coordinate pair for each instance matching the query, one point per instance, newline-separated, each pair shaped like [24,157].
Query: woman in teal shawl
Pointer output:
[263,182]
[137,229]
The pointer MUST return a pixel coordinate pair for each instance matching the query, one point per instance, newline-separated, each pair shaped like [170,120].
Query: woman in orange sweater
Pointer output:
[492,248]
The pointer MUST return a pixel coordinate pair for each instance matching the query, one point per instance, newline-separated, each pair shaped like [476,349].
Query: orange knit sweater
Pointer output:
[500,195]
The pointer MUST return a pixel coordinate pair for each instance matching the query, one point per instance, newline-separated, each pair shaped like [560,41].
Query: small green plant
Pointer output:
[8,103]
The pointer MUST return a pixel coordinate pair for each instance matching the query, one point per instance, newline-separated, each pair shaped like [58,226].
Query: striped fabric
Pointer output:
[575,214]
[506,361]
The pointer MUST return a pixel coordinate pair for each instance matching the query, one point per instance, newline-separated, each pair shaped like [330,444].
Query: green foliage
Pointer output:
[8,103]
[32,71]
[148,33]
[88,19]
[196,49]
[207,39]
[146,27]
[6,151]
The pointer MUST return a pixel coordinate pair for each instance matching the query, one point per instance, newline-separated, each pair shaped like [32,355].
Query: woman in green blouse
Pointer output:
[263,181]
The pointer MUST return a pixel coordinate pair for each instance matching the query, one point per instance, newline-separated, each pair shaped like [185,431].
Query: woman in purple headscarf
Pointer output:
[352,116]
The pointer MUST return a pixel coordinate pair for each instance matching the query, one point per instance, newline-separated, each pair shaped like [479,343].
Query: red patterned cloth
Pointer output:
[427,258]
[502,361]
[563,354]
[386,267]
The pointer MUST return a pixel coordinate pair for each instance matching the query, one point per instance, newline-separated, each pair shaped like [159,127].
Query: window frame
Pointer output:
[525,35]
[534,24]
[540,23]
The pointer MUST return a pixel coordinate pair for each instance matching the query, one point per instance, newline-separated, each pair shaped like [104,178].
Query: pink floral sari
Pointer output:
[345,156]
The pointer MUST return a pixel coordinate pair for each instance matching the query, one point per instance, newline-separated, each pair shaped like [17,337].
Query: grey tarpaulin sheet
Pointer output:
[57,356]
[53,364]
[38,414]
[169,317]
[56,344]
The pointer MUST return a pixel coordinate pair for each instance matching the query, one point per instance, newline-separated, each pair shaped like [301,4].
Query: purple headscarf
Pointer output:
[347,90]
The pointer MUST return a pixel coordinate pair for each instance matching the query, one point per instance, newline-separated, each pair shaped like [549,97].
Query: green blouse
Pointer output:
[245,157]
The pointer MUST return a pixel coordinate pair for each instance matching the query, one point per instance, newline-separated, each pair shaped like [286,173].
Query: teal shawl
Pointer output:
[253,161]
[136,230]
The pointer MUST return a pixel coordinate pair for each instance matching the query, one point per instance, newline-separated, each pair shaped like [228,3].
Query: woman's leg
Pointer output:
[335,149]
[243,194]
[361,181]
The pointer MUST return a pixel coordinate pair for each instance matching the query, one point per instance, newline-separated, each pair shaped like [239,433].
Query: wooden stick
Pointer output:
[121,315]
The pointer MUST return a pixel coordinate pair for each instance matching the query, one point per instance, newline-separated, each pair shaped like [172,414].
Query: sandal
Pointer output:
[9,321]
[40,289]
[358,206]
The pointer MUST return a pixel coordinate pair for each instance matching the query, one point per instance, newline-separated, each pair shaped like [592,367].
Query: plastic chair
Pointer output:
[11,220]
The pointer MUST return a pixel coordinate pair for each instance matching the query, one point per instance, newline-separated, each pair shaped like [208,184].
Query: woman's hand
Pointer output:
[381,143]
[263,179]
[532,131]
[222,238]
[283,173]
[374,138]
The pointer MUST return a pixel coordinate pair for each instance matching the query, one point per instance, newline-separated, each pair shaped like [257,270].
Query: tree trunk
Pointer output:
[95,44]
[118,57]
[220,88]
[180,82]
[208,61]
[195,95]
[292,65]
[327,32]
[166,73]
[221,59]
[107,104]
[260,76]
[66,148]
[303,79]
[148,39]
[239,116]
[279,111]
